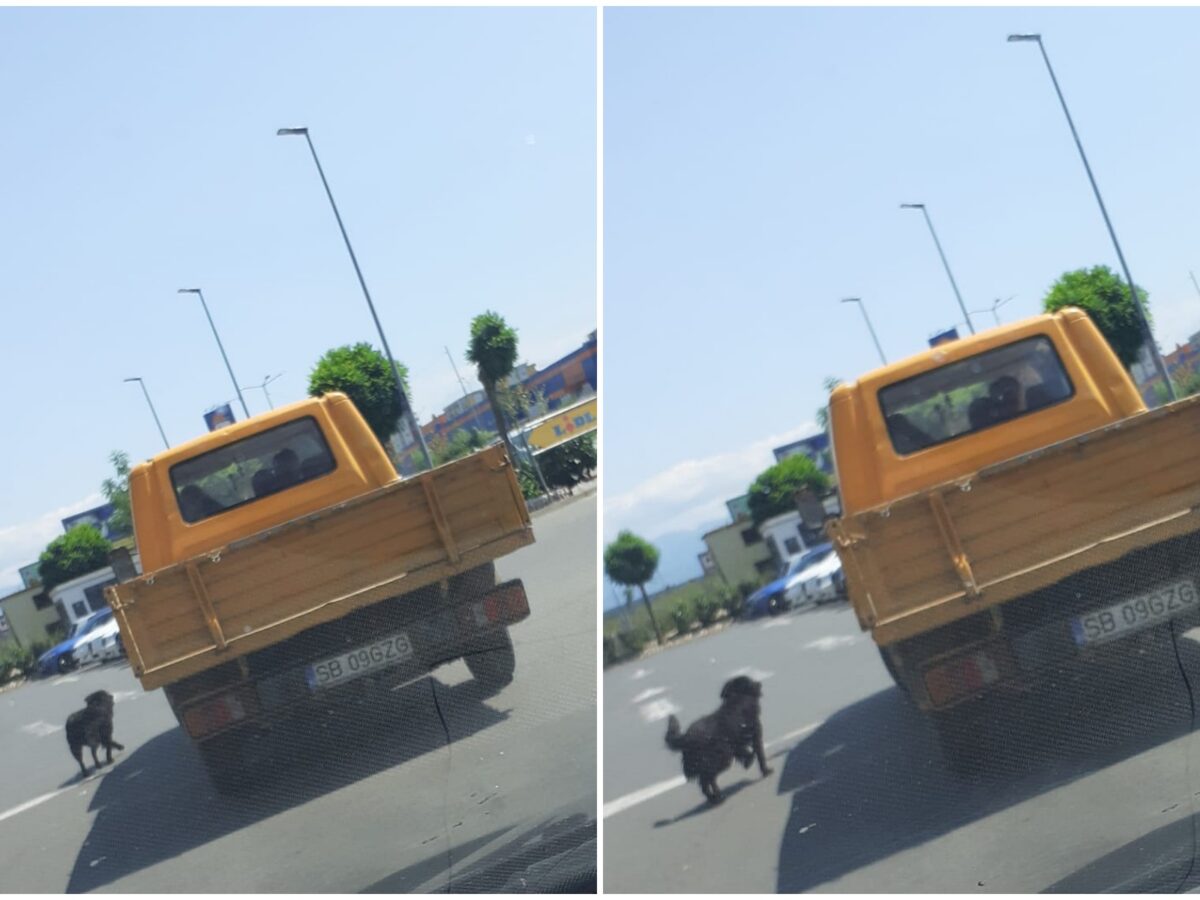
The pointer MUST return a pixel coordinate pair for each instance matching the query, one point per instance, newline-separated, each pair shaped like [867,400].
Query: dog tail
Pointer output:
[674,734]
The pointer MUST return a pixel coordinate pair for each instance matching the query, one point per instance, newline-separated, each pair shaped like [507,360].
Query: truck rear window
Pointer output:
[974,394]
[251,468]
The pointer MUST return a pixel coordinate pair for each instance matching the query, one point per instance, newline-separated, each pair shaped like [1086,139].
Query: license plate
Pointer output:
[1135,613]
[368,658]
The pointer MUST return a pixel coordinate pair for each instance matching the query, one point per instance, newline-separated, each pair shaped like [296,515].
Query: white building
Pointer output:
[784,535]
[80,597]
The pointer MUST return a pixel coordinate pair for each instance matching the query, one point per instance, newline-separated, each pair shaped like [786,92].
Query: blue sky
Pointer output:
[754,164]
[140,156]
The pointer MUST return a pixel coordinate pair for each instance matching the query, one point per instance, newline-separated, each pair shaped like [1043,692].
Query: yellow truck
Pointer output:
[287,568]
[1015,519]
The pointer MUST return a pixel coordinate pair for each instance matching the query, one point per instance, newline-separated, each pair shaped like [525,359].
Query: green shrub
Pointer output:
[682,616]
[731,601]
[528,481]
[635,638]
[746,588]
[16,658]
[707,608]
[611,652]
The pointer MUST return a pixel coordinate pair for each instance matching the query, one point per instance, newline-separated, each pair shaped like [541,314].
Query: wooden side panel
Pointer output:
[1026,523]
[270,586]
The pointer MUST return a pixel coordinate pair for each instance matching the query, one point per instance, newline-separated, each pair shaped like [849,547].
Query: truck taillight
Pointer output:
[962,676]
[215,714]
[502,605]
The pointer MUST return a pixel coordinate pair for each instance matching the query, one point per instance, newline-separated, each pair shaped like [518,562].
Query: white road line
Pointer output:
[775,623]
[641,673]
[36,801]
[40,728]
[649,793]
[647,694]
[756,674]
[657,709]
[831,642]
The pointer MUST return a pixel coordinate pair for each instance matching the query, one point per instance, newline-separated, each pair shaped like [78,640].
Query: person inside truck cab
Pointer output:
[906,437]
[195,504]
[1005,394]
[286,469]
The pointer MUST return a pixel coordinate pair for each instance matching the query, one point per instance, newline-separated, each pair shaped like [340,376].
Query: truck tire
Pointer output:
[224,761]
[960,737]
[493,669]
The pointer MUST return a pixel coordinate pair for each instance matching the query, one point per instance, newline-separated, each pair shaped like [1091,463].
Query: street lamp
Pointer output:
[996,304]
[1137,303]
[263,387]
[404,404]
[162,433]
[867,319]
[938,244]
[220,346]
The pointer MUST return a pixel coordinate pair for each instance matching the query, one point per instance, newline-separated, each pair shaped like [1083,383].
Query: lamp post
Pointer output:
[867,319]
[405,407]
[162,433]
[220,346]
[996,304]
[1137,303]
[946,265]
[263,387]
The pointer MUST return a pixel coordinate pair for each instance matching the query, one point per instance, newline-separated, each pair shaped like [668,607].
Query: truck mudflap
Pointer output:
[409,651]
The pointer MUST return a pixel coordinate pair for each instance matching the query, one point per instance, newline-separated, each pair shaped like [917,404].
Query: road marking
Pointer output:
[40,729]
[831,642]
[657,709]
[756,674]
[648,693]
[30,804]
[649,793]
[640,673]
[118,696]
[66,679]
[775,623]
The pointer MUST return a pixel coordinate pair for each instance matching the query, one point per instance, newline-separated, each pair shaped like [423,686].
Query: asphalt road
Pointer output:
[1078,795]
[389,802]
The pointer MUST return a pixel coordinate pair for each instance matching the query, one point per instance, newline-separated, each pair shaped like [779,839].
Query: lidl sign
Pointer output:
[564,425]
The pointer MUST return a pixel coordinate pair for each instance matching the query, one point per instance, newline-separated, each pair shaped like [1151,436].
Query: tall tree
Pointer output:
[116,492]
[829,383]
[631,561]
[361,372]
[1106,299]
[493,350]
[81,550]
[773,492]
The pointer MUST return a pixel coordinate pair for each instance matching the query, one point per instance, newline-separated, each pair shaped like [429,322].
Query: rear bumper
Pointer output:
[437,638]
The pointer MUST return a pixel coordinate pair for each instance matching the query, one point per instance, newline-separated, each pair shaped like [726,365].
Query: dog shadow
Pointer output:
[704,806]
[156,801]
[871,782]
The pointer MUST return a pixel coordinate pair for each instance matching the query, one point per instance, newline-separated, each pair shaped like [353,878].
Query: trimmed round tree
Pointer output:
[632,561]
[1107,301]
[493,350]
[81,550]
[774,491]
[361,373]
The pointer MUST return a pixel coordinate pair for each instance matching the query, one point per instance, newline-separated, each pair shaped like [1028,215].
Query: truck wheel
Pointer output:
[960,736]
[224,760]
[493,669]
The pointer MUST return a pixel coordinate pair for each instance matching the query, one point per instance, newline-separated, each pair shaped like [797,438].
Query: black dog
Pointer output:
[92,727]
[712,743]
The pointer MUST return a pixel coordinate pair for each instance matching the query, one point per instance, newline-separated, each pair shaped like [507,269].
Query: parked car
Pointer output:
[813,561]
[60,658]
[823,581]
[781,594]
[101,644]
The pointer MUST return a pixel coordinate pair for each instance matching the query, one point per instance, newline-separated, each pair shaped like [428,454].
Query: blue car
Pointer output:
[771,599]
[58,659]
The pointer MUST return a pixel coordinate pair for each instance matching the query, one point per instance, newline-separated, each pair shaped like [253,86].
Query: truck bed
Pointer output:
[1021,525]
[265,588]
